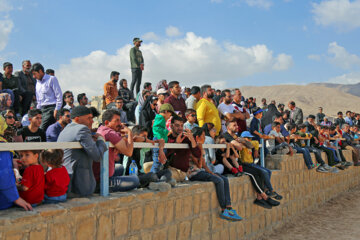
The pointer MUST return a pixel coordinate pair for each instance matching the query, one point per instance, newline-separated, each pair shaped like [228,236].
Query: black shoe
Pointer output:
[270,193]
[272,202]
[262,203]
[341,167]
[278,196]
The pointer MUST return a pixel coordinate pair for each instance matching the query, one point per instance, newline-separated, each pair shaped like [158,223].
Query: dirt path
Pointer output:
[337,219]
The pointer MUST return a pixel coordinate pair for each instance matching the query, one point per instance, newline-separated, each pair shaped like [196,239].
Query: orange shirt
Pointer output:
[110,92]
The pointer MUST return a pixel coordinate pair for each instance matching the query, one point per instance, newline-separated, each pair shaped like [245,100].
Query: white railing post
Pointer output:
[104,173]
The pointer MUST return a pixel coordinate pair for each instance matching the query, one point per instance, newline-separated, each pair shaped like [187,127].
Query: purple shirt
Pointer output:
[48,92]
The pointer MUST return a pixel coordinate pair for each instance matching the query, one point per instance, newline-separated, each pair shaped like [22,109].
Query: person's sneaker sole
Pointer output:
[264,205]
[272,202]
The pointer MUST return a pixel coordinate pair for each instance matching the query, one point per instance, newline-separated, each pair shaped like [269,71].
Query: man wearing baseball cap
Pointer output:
[137,65]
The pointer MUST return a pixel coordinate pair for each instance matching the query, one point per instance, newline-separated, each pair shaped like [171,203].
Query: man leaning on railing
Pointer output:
[78,162]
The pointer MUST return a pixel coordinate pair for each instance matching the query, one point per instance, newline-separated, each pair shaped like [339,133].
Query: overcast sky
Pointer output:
[228,43]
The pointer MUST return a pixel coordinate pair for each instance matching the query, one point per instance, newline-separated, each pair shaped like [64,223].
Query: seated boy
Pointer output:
[160,132]
[279,142]
[190,115]
[146,177]
[293,142]
[317,152]
[246,158]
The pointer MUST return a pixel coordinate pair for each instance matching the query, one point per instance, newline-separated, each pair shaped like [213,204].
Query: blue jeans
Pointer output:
[58,199]
[157,166]
[221,186]
[306,154]
[266,175]
[119,183]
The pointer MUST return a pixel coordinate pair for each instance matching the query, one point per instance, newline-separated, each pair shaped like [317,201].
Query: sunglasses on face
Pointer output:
[69,96]
[68,115]
[193,115]
[10,117]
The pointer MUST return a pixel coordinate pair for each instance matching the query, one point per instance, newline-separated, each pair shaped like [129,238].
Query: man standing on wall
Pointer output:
[137,65]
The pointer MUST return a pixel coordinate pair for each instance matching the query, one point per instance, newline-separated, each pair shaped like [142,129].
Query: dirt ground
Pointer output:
[337,219]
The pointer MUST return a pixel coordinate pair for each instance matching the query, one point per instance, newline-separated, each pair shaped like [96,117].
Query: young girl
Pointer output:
[57,179]
[31,187]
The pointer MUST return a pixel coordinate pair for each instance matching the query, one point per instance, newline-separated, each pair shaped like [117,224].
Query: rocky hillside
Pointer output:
[308,97]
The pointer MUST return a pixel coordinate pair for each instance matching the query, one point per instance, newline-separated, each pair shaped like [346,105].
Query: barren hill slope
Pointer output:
[353,89]
[308,97]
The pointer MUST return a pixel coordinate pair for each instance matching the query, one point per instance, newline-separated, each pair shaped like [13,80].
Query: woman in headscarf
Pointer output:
[148,113]
[8,191]
[5,101]
[210,156]
[268,115]
[13,126]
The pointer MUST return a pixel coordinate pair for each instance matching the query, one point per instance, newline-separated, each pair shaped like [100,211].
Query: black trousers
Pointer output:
[136,79]
[47,116]
[26,102]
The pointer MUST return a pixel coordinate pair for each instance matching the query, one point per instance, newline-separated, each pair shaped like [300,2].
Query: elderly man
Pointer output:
[296,114]
[27,85]
[78,162]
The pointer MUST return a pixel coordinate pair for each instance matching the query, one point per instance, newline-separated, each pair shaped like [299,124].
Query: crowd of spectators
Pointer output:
[35,109]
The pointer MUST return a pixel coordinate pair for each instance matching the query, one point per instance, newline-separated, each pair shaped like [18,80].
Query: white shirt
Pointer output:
[223,110]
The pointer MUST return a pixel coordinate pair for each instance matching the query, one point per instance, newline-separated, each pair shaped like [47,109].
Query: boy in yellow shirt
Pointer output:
[246,158]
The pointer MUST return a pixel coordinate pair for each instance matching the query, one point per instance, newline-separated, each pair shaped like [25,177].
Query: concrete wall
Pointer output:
[189,211]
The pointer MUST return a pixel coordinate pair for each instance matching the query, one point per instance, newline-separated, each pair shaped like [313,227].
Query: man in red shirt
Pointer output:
[121,137]
[175,98]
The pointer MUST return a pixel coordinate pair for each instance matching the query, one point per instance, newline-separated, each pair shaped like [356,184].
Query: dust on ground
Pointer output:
[339,218]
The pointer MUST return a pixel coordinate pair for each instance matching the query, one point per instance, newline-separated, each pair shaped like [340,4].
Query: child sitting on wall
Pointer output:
[57,178]
[31,187]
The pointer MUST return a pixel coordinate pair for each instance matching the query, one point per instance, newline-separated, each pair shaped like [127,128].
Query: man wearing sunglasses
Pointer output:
[54,130]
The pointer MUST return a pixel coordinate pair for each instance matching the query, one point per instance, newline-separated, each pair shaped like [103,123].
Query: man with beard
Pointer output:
[175,98]
[122,138]
[27,85]
[241,122]
[227,110]
[206,111]
[54,130]
[110,88]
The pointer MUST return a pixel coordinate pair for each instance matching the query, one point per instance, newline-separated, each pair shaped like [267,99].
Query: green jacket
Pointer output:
[159,128]
[136,57]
